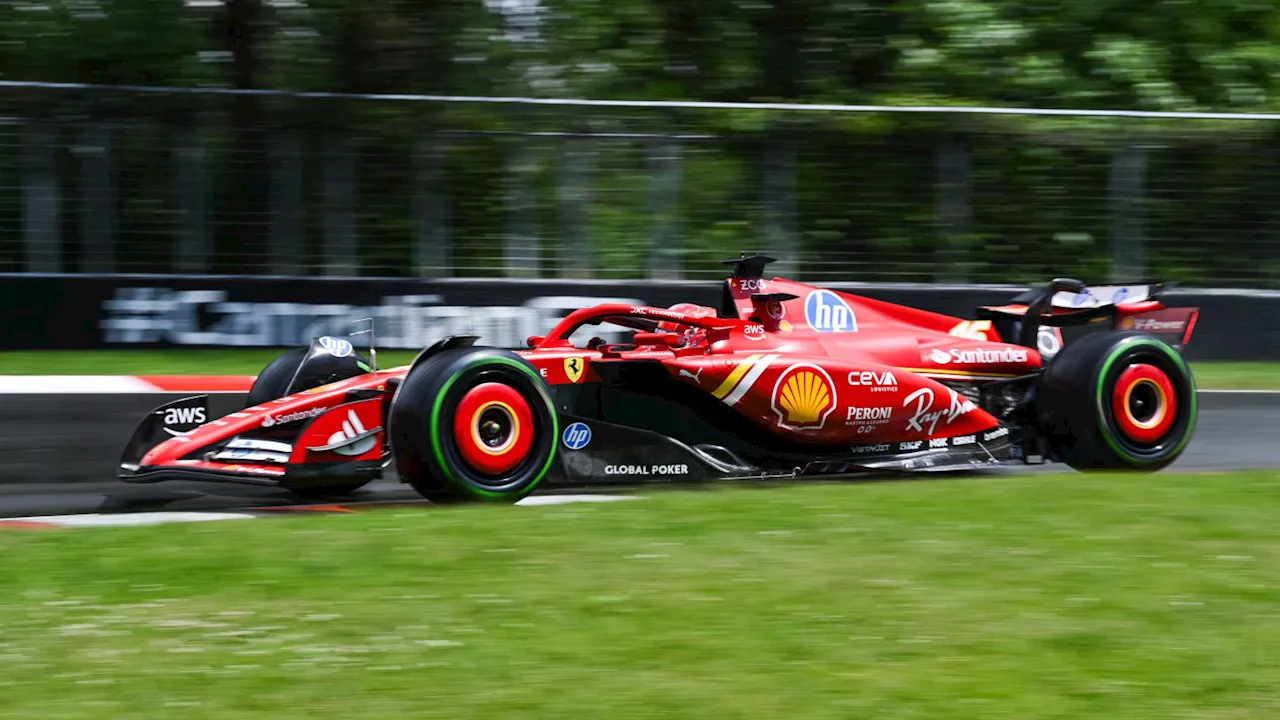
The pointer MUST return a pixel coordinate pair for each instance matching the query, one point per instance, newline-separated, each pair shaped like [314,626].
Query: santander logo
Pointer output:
[979,356]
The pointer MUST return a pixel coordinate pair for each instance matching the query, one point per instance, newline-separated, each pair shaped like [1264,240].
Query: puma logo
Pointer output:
[686,373]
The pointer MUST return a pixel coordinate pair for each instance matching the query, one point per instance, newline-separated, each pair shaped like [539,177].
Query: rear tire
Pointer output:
[473,424]
[274,379]
[1117,401]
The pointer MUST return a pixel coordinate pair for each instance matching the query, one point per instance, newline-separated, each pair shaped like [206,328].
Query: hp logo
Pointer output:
[576,436]
[827,312]
[336,347]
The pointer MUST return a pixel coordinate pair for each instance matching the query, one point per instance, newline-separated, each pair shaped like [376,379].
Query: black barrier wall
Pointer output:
[73,312]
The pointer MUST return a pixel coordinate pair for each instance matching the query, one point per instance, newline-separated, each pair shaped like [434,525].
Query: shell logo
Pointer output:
[803,397]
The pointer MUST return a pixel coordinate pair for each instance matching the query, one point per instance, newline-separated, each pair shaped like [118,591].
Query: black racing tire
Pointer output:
[440,415]
[274,379]
[1117,401]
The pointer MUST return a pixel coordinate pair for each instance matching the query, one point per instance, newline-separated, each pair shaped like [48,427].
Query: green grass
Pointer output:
[1052,596]
[1237,375]
[1214,375]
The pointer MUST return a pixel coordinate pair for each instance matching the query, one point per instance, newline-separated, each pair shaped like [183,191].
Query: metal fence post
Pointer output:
[41,230]
[662,165]
[779,189]
[432,253]
[575,253]
[193,228]
[97,198]
[523,255]
[1125,191]
[953,209]
[286,202]
[340,207]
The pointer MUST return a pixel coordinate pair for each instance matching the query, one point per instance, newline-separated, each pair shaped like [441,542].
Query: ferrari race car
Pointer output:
[783,380]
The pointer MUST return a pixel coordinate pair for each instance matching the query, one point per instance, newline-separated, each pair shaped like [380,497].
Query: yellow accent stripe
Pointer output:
[734,377]
[965,373]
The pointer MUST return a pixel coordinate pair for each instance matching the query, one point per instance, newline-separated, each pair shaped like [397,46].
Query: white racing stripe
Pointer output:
[756,371]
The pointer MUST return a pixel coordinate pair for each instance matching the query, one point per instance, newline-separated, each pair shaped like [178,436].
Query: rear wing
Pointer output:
[1067,303]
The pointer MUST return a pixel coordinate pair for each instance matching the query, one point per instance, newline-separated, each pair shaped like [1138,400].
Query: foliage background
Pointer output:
[867,187]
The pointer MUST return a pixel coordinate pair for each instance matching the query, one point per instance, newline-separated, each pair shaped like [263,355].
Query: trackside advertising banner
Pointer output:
[94,312]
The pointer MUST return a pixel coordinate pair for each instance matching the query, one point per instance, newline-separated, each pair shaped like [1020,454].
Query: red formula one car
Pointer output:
[783,380]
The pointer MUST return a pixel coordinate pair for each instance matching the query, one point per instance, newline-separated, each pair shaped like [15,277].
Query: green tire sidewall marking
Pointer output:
[438,404]
[1101,382]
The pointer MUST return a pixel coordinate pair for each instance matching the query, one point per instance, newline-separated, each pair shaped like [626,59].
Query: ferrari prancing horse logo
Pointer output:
[574,367]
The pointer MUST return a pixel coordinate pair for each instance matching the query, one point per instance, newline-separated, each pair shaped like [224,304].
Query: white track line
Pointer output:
[566,499]
[126,519]
[163,517]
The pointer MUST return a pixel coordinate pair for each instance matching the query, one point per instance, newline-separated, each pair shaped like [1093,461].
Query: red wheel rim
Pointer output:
[493,428]
[1144,403]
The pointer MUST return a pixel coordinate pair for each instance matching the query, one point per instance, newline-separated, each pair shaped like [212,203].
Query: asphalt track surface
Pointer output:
[1235,431]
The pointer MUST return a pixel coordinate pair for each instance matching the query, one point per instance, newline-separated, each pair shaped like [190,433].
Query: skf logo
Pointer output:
[826,311]
[574,367]
[972,329]
[803,397]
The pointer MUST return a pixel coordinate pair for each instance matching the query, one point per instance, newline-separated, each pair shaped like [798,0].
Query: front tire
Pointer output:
[473,424]
[1117,401]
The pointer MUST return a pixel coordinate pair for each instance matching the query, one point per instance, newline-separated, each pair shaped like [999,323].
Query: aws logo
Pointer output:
[803,397]
[826,311]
